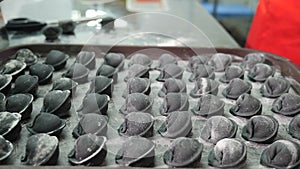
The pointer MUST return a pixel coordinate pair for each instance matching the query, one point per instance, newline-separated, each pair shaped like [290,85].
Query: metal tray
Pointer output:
[290,70]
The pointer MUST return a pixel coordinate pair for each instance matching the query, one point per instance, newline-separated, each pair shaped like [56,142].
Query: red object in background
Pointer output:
[276,28]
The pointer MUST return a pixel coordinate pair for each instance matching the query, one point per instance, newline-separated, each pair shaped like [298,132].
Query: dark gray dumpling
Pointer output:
[294,127]
[41,149]
[202,71]
[195,61]
[275,87]
[89,150]
[204,86]
[209,105]
[281,154]
[137,70]
[57,102]
[232,72]
[140,58]
[137,85]
[252,59]
[220,61]
[136,151]
[26,84]
[260,129]
[95,103]
[101,85]
[172,85]
[217,128]
[287,104]
[137,124]
[137,102]
[2,102]
[165,59]
[42,71]
[228,153]
[57,59]
[177,124]
[260,72]
[88,59]
[78,72]
[236,87]
[174,102]
[20,103]
[91,123]
[184,152]
[115,60]
[46,123]
[170,71]
[246,106]
[27,56]
[6,148]
[108,71]
[5,83]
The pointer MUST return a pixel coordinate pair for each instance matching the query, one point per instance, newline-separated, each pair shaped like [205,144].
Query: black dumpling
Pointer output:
[137,102]
[89,150]
[141,59]
[46,123]
[170,71]
[220,61]
[65,84]
[20,103]
[41,149]
[26,84]
[95,103]
[260,129]
[137,70]
[13,67]
[57,102]
[281,154]
[27,56]
[209,105]
[287,104]
[91,123]
[101,85]
[136,151]
[232,72]
[115,60]
[172,85]
[275,87]
[217,128]
[260,72]
[5,83]
[204,86]
[108,71]
[57,59]
[194,61]
[77,72]
[88,59]
[294,127]
[228,153]
[42,71]
[246,106]
[177,124]
[202,71]
[137,85]
[174,102]
[252,59]
[236,87]
[10,125]
[165,59]
[6,148]
[137,124]
[184,152]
